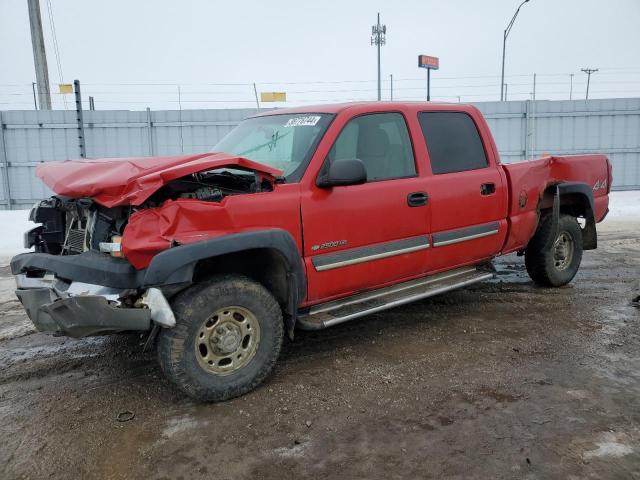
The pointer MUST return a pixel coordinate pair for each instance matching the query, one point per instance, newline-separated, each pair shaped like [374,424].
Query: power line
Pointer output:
[56,48]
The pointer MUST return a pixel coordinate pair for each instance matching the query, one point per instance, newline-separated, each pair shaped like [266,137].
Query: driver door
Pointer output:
[360,237]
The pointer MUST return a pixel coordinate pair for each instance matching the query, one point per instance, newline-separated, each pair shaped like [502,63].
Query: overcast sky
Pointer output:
[131,54]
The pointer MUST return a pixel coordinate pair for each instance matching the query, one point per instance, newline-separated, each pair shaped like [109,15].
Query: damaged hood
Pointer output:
[130,181]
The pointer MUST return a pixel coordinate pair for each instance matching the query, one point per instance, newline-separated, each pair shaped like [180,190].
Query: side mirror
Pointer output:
[343,172]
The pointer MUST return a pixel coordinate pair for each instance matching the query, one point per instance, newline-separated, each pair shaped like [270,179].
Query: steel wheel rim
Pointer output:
[563,251]
[227,340]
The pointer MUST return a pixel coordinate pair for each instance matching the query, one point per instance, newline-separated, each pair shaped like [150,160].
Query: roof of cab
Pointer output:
[339,107]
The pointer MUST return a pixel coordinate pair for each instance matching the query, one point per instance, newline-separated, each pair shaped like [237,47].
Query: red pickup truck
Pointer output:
[305,217]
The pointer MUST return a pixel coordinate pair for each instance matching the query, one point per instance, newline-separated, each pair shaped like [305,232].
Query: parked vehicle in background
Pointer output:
[307,218]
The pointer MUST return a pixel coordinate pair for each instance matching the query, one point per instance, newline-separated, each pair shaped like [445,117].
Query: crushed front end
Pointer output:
[77,281]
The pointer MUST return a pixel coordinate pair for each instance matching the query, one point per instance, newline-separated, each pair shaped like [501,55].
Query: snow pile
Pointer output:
[14,224]
[622,206]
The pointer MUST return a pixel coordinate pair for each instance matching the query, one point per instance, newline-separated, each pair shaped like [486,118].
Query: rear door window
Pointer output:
[453,142]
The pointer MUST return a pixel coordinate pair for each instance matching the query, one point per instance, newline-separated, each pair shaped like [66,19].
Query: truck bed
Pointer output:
[528,181]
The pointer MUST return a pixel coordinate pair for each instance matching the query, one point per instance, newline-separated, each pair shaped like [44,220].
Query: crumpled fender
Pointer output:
[130,181]
[180,222]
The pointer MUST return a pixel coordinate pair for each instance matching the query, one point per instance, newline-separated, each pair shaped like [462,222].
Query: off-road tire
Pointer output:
[539,254]
[177,346]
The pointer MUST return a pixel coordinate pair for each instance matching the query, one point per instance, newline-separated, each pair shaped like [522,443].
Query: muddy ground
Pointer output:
[501,380]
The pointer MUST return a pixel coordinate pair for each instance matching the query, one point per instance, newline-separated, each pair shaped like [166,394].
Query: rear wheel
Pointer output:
[226,341]
[554,262]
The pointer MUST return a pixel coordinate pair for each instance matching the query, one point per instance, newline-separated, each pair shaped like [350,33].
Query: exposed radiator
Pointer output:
[75,241]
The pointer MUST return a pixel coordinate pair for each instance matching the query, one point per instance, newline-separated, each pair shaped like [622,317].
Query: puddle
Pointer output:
[18,354]
[609,447]
[181,425]
[295,451]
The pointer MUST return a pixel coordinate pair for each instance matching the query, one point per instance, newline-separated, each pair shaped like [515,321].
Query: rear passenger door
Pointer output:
[466,191]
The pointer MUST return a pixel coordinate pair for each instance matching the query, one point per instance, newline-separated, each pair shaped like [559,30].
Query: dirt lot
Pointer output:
[501,380]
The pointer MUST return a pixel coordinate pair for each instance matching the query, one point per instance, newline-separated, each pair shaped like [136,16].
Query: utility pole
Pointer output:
[588,71]
[504,47]
[378,38]
[255,92]
[506,90]
[39,55]
[534,87]
[35,102]
[391,87]
[571,86]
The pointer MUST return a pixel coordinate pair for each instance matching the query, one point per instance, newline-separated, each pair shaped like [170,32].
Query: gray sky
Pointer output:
[130,54]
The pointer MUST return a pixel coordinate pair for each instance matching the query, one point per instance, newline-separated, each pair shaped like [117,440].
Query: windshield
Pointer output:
[285,142]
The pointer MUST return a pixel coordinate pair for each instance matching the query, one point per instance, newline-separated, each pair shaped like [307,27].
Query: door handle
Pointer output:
[417,199]
[487,189]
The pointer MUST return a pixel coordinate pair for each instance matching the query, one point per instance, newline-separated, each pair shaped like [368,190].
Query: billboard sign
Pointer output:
[426,61]
[273,96]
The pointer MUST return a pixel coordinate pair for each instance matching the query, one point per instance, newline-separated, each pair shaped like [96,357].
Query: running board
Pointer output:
[338,311]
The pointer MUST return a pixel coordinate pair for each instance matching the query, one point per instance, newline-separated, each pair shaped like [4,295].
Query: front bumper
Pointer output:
[79,309]
[89,267]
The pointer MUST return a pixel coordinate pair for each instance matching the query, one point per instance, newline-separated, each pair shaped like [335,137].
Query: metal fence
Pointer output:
[523,130]
[526,129]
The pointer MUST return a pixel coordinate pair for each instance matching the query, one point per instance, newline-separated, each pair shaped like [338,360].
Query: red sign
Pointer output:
[425,61]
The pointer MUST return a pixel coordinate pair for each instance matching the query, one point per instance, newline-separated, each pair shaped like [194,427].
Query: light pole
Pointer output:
[378,39]
[571,86]
[504,46]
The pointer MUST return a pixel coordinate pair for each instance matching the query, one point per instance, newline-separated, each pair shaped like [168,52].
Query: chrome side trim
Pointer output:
[464,239]
[369,258]
[465,234]
[369,253]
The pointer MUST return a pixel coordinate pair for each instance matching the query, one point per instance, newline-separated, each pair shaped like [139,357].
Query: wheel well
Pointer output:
[576,204]
[264,265]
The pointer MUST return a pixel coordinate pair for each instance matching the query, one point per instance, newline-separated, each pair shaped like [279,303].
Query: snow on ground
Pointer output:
[13,224]
[622,206]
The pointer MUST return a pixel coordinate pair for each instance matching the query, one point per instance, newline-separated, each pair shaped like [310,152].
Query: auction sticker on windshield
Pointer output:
[307,121]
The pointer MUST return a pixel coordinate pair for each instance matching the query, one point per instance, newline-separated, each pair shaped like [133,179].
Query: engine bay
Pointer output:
[71,226]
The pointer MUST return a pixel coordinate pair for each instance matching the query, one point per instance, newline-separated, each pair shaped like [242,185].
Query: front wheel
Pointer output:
[226,341]
[554,262]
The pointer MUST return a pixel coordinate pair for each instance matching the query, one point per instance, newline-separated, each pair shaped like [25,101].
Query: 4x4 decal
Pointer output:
[600,185]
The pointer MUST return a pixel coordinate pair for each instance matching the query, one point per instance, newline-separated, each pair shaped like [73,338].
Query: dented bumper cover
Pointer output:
[79,309]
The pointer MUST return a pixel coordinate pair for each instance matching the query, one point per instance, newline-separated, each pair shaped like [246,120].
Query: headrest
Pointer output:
[372,141]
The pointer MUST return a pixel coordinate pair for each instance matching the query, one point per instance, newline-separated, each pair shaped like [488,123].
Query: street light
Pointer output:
[504,46]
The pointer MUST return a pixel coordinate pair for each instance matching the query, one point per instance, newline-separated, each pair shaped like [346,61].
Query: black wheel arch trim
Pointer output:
[589,234]
[177,265]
